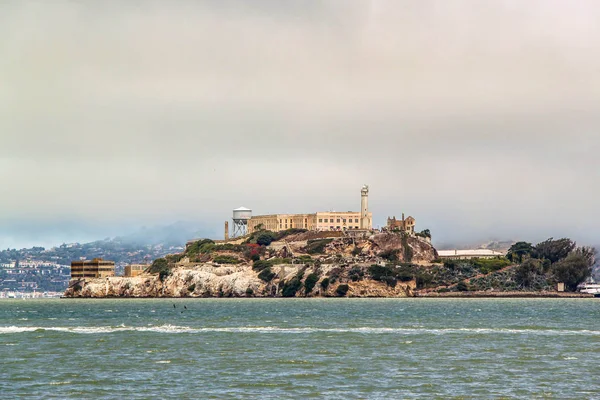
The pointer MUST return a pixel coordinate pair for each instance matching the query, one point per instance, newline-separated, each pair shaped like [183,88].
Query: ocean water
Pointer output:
[300,348]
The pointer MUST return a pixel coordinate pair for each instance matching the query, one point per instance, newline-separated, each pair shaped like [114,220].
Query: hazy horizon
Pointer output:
[479,119]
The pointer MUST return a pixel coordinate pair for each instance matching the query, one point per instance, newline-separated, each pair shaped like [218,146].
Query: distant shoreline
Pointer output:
[568,295]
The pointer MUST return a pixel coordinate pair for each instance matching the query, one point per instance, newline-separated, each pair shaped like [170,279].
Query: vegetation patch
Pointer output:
[342,290]
[204,246]
[266,275]
[317,246]
[325,283]
[310,282]
[226,260]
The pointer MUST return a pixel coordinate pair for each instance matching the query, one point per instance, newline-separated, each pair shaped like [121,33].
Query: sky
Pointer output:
[479,119]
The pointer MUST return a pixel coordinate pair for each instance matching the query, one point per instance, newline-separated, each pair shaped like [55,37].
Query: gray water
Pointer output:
[293,348]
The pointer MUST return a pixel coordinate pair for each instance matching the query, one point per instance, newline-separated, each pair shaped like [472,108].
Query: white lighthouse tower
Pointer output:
[364,208]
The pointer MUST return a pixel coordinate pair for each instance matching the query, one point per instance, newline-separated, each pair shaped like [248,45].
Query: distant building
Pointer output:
[319,221]
[405,225]
[96,268]
[135,269]
[468,254]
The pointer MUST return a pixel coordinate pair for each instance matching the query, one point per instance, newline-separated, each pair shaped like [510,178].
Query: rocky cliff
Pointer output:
[303,264]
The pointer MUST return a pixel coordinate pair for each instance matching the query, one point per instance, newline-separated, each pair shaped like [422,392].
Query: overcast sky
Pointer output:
[479,118]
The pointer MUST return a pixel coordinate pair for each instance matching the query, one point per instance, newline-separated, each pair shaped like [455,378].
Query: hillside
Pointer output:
[292,263]
[298,263]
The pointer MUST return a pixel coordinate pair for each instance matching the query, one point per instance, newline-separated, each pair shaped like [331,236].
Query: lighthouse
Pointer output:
[364,208]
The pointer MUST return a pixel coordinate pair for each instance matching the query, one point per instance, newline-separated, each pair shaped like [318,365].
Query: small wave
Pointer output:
[61,383]
[299,330]
[163,362]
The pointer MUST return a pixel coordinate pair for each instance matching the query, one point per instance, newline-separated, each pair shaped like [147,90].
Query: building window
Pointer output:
[338,220]
[356,220]
[320,219]
[343,220]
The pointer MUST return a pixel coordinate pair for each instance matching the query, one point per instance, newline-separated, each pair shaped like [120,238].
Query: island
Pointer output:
[362,263]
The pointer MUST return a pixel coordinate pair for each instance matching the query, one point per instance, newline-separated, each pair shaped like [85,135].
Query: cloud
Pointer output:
[478,118]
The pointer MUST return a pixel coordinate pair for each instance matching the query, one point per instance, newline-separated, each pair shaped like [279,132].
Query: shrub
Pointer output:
[310,282]
[202,246]
[260,265]
[390,255]
[356,274]
[462,286]
[487,266]
[265,238]
[291,287]
[292,231]
[266,275]
[305,259]
[192,287]
[158,265]
[356,251]
[342,290]
[325,283]
[164,274]
[317,246]
[249,292]
[226,260]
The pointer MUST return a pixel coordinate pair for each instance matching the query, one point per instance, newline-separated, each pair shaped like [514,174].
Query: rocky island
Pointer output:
[298,263]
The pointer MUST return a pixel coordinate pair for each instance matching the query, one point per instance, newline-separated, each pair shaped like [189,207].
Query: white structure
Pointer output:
[364,208]
[468,254]
[241,216]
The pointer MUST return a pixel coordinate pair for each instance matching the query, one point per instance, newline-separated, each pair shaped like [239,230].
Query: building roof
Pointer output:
[242,209]
[469,253]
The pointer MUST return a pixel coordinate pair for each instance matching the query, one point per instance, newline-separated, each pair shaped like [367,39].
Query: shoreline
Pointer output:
[567,295]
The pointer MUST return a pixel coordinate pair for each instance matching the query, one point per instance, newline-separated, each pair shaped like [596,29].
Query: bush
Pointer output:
[390,255]
[317,246]
[310,282]
[325,283]
[487,266]
[249,292]
[462,286]
[266,275]
[292,231]
[305,259]
[265,238]
[164,274]
[260,265]
[192,287]
[356,274]
[226,260]
[291,287]
[342,290]
[202,246]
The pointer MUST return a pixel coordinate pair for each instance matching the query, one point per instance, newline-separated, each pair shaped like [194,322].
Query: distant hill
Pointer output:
[176,234]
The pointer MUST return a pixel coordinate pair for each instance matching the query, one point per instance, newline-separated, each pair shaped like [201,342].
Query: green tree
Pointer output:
[342,290]
[554,250]
[572,270]
[518,250]
[527,273]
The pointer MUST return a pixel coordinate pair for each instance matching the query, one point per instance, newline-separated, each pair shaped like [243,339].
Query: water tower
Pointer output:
[240,221]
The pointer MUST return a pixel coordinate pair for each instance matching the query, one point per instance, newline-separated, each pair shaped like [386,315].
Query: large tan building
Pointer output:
[319,221]
[96,268]
[135,269]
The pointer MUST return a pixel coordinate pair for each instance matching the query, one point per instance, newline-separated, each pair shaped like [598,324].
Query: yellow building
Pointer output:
[96,268]
[135,269]
[319,221]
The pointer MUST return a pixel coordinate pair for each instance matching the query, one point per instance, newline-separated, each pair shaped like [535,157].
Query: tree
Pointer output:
[573,269]
[518,250]
[425,233]
[554,250]
[527,272]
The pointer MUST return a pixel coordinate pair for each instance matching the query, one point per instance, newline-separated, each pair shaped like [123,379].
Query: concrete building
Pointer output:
[96,268]
[404,224]
[135,269]
[468,254]
[319,221]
